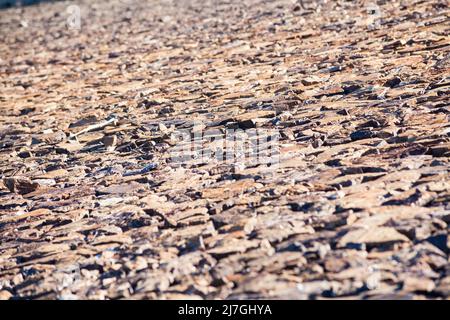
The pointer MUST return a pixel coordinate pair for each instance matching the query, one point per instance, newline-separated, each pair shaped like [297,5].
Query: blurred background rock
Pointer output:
[11,3]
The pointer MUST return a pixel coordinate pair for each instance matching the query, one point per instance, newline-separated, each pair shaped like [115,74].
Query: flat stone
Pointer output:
[373,236]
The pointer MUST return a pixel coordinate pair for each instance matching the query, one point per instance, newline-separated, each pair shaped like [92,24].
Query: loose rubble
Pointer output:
[93,207]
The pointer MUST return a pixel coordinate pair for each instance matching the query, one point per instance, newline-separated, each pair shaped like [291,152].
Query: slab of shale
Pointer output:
[225,150]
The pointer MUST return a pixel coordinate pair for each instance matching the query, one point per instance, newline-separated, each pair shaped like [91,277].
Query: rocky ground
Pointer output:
[93,205]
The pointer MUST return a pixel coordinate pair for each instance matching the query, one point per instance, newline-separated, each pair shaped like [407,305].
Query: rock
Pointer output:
[53,174]
[412,284]
[351,88]
[443,288]
[372,237]
[120,189]
[347,198]
[20,185]
[343,112]
[113,55]
[49,138]
[311,80]
[392,82]
[371,124]
[441,241]
[5,295]
[110,142]
[362,134]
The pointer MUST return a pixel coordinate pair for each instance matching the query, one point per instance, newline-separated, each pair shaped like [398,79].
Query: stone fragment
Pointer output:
[362,134]
[372,236]
[392,82]
[110,142]
[5,295]
[20,185]
[413,284]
